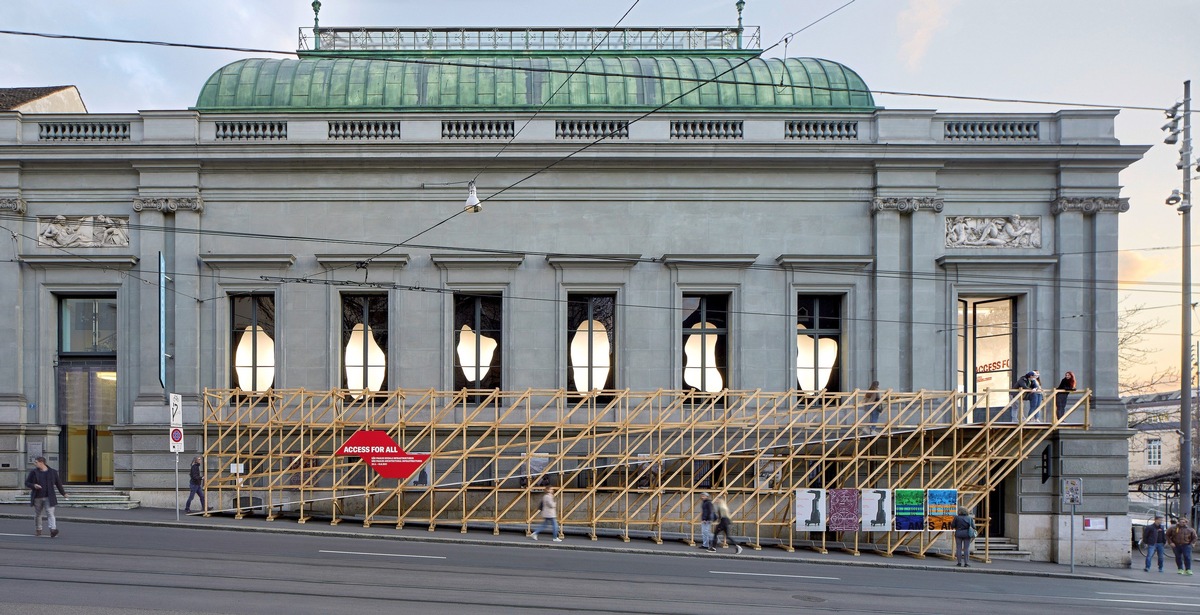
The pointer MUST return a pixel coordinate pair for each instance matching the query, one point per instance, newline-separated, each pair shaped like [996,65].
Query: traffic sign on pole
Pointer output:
[176,440]
[176,410]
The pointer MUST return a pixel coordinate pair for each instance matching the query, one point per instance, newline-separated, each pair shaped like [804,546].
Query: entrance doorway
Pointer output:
[985,348]
[87,402]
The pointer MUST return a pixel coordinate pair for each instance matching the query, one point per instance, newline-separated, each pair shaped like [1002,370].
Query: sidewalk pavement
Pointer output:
[450,533]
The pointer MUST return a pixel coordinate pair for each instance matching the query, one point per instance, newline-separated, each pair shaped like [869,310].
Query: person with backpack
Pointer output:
[195,485]
[1182,538]
[964,535]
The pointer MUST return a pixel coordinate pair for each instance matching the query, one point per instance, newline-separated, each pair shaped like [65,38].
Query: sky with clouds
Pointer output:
[1111,52]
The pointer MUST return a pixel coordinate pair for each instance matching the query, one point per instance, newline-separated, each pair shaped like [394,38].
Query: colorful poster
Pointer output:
[810,510]
[876,510]
[843,510]
[941,508]
[910,510]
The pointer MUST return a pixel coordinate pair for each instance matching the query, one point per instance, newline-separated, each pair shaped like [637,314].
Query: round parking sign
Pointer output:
[176,435]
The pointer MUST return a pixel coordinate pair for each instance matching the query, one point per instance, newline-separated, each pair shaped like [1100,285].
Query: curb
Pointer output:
[578,546]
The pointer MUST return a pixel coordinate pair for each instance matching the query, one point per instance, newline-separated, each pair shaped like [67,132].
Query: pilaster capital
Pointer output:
[169,205]
[15,204]
[1089,205]
[906,204]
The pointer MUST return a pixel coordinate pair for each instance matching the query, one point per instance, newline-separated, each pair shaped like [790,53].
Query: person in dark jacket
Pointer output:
[1031,385]
[42,481]
[724,523]
[195,485]
[1060,399]
[963,525]
[1154,536]
[708,514]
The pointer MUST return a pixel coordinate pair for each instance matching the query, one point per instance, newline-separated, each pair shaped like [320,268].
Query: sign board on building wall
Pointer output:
[1072,491]
[381,452]
[1095,524]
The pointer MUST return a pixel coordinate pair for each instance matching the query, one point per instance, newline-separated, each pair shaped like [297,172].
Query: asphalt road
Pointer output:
[103,569]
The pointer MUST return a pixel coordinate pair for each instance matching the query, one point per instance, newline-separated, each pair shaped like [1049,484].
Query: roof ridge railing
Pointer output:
[529,39]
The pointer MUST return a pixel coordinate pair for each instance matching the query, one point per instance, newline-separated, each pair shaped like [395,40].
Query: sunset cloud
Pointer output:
[1136,267]
[920,21]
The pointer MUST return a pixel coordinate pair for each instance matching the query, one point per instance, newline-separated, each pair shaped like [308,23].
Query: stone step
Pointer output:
[85,496]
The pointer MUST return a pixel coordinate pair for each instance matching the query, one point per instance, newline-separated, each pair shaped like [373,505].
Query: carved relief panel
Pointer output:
[98,231]
[993,232]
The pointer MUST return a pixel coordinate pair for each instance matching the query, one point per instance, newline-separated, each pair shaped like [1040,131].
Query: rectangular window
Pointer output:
[819,342]
[252,340]
[1154,452]
[364,343]
[591,342]
[88,325]
[705,332]
[478,348]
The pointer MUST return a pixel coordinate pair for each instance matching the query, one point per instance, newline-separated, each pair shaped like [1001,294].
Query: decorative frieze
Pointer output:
[98,231]
[13,204]
[993,232]
[906,204]
[1089,205]
[169,205]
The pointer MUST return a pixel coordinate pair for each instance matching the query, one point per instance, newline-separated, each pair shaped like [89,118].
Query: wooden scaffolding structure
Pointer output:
[625,463]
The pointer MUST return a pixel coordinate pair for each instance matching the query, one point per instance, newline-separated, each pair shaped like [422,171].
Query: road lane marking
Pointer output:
[1139,601]
[787,576]
[26,535]
[382,554]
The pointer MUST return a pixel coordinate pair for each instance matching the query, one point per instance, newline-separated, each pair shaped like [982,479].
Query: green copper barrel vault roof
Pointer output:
[491,84]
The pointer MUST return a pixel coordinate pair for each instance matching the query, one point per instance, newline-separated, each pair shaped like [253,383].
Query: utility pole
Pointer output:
[1183,203]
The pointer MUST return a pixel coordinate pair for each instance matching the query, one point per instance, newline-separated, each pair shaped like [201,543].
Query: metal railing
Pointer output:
[527,39]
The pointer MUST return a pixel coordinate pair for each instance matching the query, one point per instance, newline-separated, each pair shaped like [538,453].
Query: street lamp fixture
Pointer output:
[1175,198]
[473,205]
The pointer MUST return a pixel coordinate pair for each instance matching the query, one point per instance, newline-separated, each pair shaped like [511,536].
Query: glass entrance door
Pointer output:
[87,402]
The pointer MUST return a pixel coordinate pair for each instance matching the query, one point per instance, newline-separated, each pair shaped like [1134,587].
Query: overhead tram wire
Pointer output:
[367,262]
[103,266]
[364,264]
[678,79]
[1067,283]
[666,104]
[557,90]
[433,289]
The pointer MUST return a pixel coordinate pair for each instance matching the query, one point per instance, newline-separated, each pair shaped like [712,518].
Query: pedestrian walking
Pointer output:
[549,509]
[1154,536]
[42,481]
[195,485]
[1031,387]
[708,514]
[964,536]
[1182,539]
[1065,385]
[724,523]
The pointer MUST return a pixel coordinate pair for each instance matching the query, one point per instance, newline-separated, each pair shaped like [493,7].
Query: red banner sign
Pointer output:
[382,453]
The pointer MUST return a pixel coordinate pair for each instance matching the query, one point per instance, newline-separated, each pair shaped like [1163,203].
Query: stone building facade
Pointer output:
[689,210]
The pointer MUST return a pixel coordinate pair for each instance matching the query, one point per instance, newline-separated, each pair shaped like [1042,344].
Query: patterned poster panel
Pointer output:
[942,506]
[810,510]
[910,510]
[876,510]
[843,510]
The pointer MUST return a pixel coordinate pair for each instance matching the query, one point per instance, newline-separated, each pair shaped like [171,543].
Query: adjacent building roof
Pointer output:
[12,99]
[490,82]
